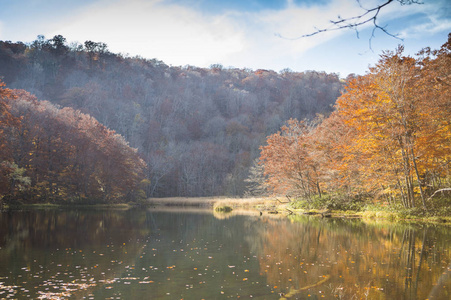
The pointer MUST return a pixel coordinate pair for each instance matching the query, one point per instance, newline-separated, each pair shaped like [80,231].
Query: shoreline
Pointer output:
[227,206]
[280,206]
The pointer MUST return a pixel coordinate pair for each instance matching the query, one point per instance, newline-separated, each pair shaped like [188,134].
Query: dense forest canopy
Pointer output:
[198,129]
[62,155]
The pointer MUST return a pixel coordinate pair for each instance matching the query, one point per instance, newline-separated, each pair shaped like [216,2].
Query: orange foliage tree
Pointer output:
[390,135]
[289,161]
[401,121]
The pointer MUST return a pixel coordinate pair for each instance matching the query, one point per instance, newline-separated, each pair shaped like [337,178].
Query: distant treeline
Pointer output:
[198,129]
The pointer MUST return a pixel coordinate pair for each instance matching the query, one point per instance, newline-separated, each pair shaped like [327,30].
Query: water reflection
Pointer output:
[138,254]
[55,254]
[351,259]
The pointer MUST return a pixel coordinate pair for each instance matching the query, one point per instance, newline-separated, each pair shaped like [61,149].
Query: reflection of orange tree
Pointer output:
[361,261]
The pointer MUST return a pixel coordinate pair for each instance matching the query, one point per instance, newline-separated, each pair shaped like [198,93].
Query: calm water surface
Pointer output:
[145,254]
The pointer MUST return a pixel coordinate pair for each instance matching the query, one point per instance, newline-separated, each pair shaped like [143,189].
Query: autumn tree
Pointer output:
[435,83]
[12,177]
[289,163]
[397,125]
[389,136]
[69,156]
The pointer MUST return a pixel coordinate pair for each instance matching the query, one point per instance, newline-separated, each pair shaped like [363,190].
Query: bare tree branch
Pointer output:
[439,191]
[370,15]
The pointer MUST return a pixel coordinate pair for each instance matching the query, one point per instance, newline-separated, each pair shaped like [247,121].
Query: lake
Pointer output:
[198,254]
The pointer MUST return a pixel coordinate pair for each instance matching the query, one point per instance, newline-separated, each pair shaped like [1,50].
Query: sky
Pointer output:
[254,34]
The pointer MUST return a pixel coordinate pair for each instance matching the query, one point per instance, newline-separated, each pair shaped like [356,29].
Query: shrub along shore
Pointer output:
[287,206]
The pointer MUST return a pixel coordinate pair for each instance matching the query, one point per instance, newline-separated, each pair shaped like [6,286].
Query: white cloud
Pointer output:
[172,33]
[262,30]
[181,35]
[435,20]
[433,27]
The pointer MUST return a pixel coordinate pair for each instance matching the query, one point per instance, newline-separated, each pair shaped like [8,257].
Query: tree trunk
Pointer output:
[418,178]
[407,179]
[319,190]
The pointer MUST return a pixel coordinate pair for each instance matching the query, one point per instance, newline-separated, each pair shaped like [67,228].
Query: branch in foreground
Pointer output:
[368,16]
[439,191]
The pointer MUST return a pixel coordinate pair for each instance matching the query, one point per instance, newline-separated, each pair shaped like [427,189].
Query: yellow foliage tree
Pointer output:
[389,135]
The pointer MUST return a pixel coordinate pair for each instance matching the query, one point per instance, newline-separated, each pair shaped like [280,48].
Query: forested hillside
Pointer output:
[60,155]
[198,129]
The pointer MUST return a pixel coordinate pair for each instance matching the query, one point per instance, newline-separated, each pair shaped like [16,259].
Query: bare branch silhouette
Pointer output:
[370,15]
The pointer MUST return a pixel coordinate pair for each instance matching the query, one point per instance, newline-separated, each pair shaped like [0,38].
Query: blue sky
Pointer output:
[256,34]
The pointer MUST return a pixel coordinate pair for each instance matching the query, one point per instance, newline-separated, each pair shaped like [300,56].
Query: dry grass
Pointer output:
[262,204]
[182,201]
[247,203]
[223,207]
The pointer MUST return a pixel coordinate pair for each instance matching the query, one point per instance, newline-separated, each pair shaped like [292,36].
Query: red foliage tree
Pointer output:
[69,156]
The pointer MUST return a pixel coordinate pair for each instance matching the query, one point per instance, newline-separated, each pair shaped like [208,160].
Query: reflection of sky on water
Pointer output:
[110,254]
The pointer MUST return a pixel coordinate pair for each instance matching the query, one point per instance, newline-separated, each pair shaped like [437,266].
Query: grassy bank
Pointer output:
[264,204]
[439,211]
[433,214]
